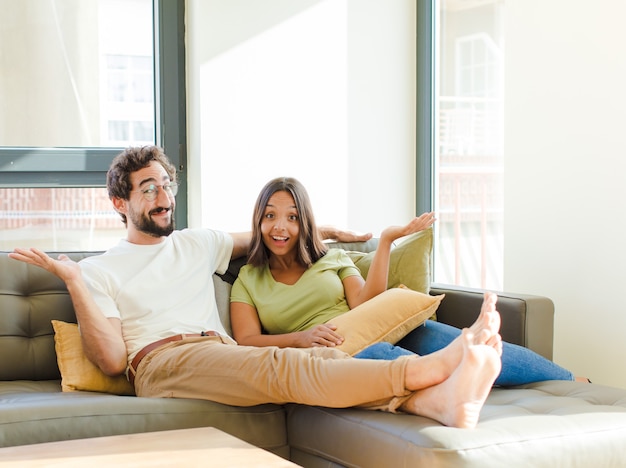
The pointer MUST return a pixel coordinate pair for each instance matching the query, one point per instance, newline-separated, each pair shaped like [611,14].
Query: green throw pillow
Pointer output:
[409,263]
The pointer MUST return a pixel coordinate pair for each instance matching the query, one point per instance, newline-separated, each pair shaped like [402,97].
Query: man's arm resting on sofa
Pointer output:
[527,320]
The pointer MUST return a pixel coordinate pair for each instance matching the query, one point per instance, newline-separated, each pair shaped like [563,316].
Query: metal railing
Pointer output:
[469,246]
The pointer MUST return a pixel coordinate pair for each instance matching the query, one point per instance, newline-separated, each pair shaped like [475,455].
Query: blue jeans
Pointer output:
[519,365]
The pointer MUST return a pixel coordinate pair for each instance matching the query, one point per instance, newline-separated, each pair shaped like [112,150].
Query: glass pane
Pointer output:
[61,219]
[469,149]
[68,69]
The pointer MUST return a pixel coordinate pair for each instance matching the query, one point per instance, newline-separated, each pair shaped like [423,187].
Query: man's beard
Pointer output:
[145,224]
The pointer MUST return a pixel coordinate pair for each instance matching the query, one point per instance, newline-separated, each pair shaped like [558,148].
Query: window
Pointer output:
[58,219]
[79,83]
[462,125]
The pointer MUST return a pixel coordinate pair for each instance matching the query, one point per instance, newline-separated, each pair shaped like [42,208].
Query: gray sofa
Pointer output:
[545,424]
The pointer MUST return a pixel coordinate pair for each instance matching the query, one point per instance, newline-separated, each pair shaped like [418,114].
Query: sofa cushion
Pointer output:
[544,424]
[77,372]
[35,412]
[386,317]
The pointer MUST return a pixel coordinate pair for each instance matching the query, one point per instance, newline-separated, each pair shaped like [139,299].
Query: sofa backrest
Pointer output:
[30,298]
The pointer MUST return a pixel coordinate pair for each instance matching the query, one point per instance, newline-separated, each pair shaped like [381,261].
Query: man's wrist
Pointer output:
[327,232]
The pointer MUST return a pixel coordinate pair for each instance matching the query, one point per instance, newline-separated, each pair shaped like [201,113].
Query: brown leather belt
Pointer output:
[132,370]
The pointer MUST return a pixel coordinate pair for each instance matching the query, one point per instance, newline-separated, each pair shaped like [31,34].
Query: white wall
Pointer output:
[565,174]
[381,113]
[320,90]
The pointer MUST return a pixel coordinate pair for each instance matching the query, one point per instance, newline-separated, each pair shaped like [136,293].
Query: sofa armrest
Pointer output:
[526,320]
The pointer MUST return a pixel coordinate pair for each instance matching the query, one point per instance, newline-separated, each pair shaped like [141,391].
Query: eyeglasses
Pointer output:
[152,191]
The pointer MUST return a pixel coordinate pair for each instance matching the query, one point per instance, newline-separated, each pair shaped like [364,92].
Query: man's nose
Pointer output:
[164,197]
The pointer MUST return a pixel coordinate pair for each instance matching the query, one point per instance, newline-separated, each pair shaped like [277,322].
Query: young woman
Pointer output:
[293,286]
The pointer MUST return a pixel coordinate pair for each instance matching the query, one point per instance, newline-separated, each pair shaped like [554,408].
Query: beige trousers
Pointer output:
[206,368]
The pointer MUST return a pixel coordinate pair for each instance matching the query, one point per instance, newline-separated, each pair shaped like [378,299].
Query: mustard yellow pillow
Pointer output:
[409,262]
[77,372]
[386,317]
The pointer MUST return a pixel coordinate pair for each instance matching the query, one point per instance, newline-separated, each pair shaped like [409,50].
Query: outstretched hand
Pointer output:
[63,267]
[417,224]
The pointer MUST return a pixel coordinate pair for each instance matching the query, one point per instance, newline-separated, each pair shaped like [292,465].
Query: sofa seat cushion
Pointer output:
[35,412]
[16,387]
[545,424]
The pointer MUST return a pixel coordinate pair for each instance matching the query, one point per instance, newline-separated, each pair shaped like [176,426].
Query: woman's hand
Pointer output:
[417,224]
[320,335]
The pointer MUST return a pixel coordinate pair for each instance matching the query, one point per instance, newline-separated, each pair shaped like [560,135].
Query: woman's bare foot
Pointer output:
[582,379]
[457,401]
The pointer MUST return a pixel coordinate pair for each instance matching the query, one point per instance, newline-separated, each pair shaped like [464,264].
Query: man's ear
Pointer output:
[119,204]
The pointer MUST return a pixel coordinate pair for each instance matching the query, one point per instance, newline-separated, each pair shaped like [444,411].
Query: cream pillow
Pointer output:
[386,317]
[77,372]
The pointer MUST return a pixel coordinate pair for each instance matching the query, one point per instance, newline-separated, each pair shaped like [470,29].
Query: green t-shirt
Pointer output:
[315,298]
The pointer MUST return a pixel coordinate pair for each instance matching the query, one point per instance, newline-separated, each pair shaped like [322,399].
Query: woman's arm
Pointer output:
[359,291]
[102,338]
[246,327]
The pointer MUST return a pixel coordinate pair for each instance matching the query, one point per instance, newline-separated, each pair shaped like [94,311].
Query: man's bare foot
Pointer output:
[436,367]
[457,401]
[486,329]
[489,339]
[488,319]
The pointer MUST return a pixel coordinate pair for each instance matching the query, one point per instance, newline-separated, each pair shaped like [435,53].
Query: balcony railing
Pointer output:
[469,246]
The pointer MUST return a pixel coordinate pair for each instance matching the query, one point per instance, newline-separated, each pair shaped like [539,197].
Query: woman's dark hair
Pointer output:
[310,245]
[131,160]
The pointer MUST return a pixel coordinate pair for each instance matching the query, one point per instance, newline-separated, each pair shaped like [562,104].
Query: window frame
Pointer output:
[425,106]
[40,167]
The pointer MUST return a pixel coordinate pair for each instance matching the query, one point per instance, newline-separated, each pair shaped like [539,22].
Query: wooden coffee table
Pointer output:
[205,446]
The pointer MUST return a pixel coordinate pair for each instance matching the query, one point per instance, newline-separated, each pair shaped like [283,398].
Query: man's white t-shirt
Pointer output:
[160,290]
